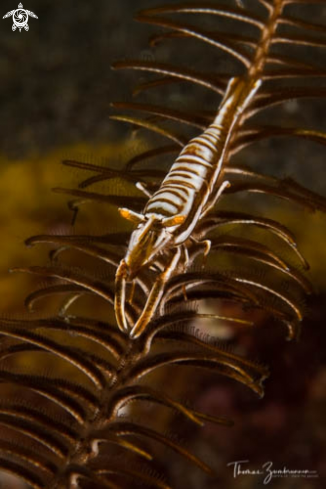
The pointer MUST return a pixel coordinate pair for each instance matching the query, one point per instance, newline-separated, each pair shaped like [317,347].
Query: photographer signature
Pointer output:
[268,472]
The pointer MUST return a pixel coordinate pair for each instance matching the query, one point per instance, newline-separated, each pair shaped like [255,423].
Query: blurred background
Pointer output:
[56,89]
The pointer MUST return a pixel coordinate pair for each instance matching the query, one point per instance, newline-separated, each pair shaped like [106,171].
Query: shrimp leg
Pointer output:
[155,296]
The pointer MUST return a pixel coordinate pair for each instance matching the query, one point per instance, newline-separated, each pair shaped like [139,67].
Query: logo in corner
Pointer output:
[20,18]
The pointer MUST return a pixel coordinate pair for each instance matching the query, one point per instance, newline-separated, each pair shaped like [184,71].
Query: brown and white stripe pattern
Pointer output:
[186,194]
[188,178]
[190,184]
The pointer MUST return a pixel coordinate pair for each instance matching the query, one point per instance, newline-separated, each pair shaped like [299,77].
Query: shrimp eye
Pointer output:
[131,215]
[173,221]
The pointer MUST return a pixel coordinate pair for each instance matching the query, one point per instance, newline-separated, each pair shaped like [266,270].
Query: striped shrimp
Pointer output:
[185,196]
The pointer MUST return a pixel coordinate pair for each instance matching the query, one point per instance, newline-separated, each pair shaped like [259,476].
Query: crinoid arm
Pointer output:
[104,373]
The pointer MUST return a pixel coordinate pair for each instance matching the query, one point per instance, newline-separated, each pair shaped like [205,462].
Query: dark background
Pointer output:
[55,92]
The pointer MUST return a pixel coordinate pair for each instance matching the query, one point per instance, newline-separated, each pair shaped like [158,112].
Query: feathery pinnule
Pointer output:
[123,306]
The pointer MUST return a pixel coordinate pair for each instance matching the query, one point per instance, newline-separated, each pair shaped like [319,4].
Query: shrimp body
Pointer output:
[186,194]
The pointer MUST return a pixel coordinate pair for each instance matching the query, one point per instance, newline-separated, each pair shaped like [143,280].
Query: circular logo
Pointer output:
[20,17]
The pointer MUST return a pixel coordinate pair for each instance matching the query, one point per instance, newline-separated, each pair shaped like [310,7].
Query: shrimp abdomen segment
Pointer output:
[187,193]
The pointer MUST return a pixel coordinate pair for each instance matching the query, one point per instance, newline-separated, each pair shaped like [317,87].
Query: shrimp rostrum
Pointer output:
[190,189]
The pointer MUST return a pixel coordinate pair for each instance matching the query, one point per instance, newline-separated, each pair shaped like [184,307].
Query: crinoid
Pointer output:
[127,307]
